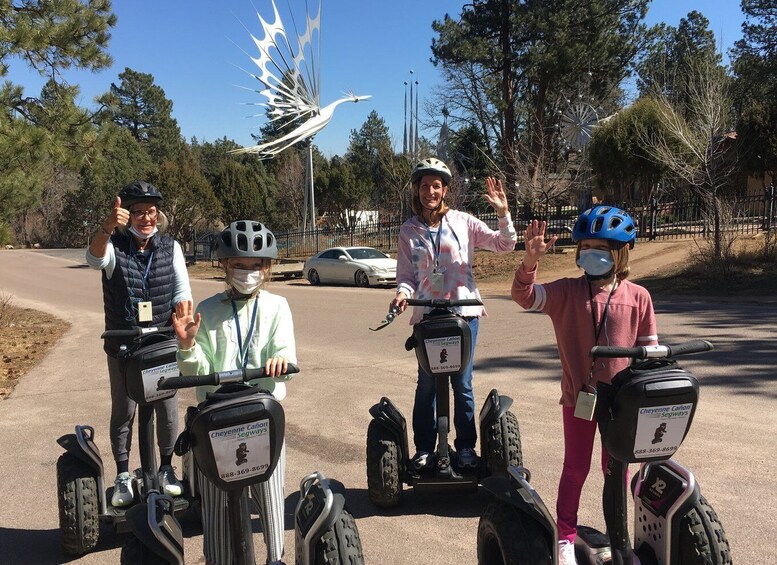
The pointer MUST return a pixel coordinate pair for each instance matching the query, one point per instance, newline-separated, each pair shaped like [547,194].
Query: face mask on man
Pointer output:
[245,281]
[596,263]
[139,235]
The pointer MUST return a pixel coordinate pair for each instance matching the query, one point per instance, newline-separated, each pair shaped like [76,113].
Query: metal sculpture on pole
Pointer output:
[290,78]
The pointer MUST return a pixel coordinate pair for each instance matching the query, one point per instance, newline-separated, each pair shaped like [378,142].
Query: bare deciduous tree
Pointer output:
[696,142]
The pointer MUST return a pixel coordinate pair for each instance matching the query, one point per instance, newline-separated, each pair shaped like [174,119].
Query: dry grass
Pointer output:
[25,338]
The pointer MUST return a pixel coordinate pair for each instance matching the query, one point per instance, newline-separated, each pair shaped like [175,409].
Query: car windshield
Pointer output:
[365,253]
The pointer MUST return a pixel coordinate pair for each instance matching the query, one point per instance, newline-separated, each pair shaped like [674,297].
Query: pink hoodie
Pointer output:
[415,257]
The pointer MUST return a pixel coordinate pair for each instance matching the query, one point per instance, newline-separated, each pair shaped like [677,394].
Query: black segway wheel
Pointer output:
[507,537]
[702,538]
[340,544]
[79,522]
[384,484]
[134,552]
[504,445]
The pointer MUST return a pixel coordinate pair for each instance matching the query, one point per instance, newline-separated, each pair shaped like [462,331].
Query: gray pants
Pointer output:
[268,495]
[123,415]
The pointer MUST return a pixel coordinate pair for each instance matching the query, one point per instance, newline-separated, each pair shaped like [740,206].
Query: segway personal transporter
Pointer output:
[236,436]
[643,417]
[83,497]
[443,346]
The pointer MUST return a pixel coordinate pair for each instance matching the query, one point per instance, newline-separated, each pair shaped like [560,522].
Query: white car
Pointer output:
[362,266]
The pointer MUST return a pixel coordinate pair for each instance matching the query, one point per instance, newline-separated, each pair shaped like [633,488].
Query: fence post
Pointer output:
[653,218]
[768,207]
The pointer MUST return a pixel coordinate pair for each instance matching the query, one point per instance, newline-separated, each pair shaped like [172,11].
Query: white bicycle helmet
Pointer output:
[431,166]
[246,238]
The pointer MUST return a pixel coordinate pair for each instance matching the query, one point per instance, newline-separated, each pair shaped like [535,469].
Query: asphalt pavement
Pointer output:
[345,368]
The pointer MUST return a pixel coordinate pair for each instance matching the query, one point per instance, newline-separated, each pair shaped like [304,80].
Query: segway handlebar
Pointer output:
[443,302]
[652,351]
[218,378]
[136,331]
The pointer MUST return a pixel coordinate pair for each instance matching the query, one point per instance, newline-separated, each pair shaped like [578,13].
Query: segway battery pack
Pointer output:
[645,414]
[443,344]
[237,436]
[148,361]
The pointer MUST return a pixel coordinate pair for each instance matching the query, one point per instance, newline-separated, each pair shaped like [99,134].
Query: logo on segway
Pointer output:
[658,487]
[659,434]
[240,454]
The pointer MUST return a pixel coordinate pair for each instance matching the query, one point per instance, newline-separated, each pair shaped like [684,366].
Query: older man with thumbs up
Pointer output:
[144,280]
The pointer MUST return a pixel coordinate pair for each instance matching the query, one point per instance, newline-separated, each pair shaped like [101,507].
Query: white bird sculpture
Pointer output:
[293,93]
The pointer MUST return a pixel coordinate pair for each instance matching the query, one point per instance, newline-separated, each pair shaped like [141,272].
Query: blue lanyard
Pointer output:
[243,353]
[438,246]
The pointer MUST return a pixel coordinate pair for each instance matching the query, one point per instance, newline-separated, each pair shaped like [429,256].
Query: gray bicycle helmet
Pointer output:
[431,166]
[139,191]
[246,238]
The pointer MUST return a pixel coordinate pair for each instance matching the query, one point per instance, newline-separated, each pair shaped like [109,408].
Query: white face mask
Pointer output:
[139,235]
[245,281]
[595,262]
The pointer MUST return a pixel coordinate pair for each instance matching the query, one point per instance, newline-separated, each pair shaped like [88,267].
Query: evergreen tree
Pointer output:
[141,106]
[755,67]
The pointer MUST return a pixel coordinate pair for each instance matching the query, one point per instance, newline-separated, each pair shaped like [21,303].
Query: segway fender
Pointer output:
[495,406]
[394,421]
[318,509]
[155,526]
[69,443]
[81,445]
[516,491]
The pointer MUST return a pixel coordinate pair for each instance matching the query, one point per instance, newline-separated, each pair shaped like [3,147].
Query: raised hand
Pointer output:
[536,246]
[118,217]
[186,324]
[496,196]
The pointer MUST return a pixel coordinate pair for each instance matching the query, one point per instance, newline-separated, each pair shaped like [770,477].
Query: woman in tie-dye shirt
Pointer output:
[436,252]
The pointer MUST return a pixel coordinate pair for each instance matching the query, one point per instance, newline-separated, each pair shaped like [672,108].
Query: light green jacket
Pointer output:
[216,347]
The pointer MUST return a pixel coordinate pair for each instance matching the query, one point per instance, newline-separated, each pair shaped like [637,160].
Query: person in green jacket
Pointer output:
[244,326]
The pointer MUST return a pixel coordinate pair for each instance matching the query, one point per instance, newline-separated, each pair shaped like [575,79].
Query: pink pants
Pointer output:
[578,449]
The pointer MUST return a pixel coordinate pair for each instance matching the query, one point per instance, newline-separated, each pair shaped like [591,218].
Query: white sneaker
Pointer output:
[122,490]
[168,482]
[566,553]
[421,460]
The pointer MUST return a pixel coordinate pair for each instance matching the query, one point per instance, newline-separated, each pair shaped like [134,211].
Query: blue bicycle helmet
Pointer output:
[605,222]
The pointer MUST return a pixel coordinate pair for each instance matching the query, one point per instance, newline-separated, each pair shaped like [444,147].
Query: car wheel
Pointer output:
[361,278]
[313,277]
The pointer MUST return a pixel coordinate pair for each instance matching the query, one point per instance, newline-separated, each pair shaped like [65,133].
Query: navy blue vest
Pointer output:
[125,287]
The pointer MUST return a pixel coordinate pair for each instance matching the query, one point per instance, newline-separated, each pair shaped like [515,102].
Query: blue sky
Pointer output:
[193,50]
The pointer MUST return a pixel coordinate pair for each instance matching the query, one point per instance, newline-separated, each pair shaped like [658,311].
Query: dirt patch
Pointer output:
[25,338]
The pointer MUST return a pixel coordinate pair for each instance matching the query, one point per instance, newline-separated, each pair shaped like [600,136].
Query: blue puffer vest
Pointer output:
[127,281]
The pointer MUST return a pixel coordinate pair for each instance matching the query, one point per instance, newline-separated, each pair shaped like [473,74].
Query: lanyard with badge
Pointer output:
[437,277]
[242,352]
[585,406]
[145,309]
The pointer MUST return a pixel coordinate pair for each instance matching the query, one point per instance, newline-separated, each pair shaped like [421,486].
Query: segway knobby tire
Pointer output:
[384,484]
[340,544]
[507,537]
[133,552]
[503,432]
[702,538]
[79,522]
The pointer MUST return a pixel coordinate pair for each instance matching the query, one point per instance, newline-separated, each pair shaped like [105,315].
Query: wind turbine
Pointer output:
[290,78]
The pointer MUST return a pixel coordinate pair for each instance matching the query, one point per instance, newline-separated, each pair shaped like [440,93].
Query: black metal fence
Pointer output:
[655,220]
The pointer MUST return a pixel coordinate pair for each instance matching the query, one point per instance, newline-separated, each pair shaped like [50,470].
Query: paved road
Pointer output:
[346,369]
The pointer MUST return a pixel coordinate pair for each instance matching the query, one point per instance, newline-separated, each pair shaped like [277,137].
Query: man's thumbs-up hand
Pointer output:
[118,217]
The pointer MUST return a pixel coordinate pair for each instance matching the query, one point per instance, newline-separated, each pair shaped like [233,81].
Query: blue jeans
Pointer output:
[424,409]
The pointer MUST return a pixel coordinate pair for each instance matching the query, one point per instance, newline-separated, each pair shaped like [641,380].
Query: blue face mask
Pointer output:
[596,263]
